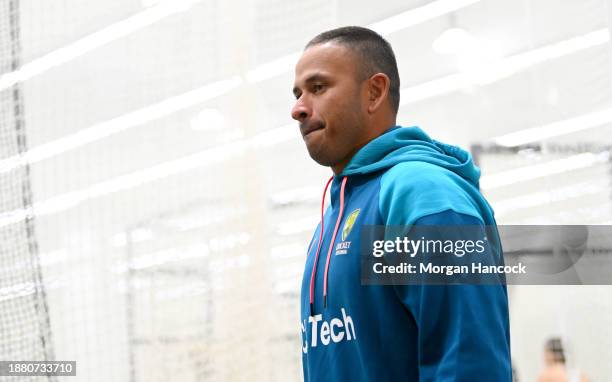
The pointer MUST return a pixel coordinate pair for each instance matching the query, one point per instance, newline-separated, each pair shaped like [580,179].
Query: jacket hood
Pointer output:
[404,144]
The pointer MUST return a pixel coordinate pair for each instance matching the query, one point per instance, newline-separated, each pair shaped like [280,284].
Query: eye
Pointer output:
[316,88]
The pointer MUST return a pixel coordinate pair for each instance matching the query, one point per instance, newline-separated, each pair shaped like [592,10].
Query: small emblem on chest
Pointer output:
[348,224]
[343,246]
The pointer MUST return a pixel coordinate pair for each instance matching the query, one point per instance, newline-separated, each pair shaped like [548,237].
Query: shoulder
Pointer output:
[415,174]
[411,190]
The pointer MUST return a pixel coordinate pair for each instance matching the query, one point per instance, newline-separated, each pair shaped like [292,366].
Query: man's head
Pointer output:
[347,91]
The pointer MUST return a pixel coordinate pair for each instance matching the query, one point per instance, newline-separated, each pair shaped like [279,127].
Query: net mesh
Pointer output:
[172,224]
[549,183]
[554,196]
[24,323]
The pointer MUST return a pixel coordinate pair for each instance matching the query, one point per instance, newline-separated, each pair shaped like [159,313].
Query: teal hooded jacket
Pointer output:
[354,332]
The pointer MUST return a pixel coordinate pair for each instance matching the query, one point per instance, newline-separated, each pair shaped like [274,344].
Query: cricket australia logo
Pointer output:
[342,247]
[348,224]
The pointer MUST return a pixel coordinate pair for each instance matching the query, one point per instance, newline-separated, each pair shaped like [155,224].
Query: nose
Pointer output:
[300,111]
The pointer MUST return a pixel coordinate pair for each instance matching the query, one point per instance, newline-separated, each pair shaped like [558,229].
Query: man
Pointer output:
[347,98]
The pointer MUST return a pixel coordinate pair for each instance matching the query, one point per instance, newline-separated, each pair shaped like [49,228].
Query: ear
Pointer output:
[378,91]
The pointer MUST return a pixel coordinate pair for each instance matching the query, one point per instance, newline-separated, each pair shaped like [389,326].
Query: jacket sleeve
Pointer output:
[463,329]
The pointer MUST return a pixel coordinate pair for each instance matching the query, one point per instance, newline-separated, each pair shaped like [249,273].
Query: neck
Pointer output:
[337,168]
[376,132]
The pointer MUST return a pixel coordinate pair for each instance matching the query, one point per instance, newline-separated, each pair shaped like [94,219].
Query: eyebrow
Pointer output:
[310,79]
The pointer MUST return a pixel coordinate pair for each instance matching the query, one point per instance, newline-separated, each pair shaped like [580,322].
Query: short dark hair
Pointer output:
[376,54]
[555,347]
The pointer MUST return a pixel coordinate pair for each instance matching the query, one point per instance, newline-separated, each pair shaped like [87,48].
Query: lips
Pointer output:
[306,129]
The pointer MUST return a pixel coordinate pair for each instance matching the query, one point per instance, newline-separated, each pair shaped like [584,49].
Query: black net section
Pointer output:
[24,321]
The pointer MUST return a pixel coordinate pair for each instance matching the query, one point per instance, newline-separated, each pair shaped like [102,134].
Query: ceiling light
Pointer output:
[453,41]
[555,129]
[95,40]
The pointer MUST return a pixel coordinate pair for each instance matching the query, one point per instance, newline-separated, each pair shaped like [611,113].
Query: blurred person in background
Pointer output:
[555,369]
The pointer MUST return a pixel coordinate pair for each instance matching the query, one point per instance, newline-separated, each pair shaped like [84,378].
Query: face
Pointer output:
[549,357]
[329,104]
